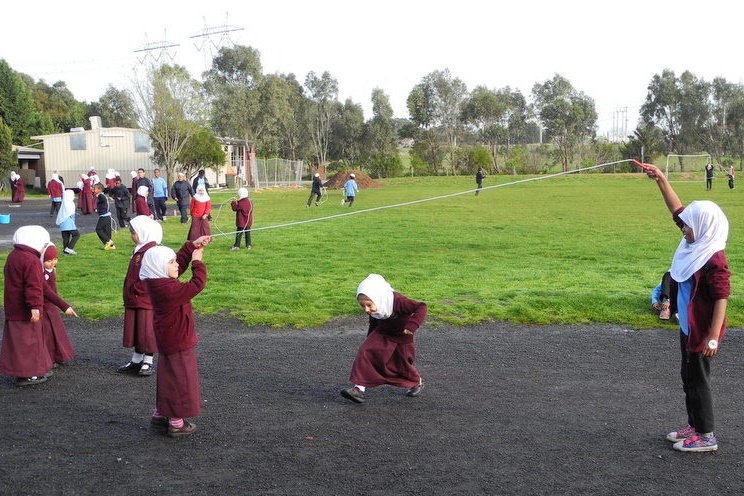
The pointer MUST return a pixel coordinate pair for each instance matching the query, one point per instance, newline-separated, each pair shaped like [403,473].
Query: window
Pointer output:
[77,141]
[141,143]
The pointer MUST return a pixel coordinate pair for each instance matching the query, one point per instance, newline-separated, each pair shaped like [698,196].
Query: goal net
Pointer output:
[687,163]
[275,172]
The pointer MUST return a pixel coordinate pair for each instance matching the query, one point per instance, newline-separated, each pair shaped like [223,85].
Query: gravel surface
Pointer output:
[506,409]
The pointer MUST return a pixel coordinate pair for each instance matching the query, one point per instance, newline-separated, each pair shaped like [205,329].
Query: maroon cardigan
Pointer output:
[173,316]
[407,314]
[710,283]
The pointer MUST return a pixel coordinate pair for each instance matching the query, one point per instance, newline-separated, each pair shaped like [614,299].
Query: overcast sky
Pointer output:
[608,51]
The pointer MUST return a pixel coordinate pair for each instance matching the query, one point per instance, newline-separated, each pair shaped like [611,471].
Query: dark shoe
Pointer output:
[30,381]
[130,368]
[146,369]
[159,422]
[188,428]
[354,394]
[415,390]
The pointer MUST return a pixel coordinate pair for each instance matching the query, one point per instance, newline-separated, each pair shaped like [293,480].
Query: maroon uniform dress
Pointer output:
[199,225]
[86,200]
[55,332]
[387,355]
[141,206]
[19,190]
[23,352]
[178,391]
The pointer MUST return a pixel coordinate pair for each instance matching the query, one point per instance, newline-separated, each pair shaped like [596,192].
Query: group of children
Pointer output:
[159,318]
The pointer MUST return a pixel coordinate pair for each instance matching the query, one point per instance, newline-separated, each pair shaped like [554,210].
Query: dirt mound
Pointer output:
[362,180]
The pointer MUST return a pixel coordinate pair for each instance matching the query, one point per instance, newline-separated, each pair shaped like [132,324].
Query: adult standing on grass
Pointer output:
[23,351]
[160,195]
[479,176]
[701,271]
[181,192]
[350,190]
[709,177]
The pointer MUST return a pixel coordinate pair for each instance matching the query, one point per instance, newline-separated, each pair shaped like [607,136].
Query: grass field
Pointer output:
[577,248]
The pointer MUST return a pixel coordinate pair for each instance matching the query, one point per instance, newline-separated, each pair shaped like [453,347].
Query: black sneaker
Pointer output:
[354,394]
[130,368]
[30,381]
[415,390]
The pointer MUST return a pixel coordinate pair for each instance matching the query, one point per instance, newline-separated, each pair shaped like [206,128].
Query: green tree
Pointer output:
[233,83]
[568,116]
[16,104]
[323,94]
[59,103]
[115,108]
[8,158]
[202,151]
[347,130]
[171,109]
[380,138]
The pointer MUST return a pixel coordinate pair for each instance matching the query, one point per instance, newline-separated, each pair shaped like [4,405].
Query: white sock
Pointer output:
[137,357]
[360,388]
[148,359]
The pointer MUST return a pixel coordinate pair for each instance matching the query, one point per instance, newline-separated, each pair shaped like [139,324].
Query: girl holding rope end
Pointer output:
[243,208]
[702,274]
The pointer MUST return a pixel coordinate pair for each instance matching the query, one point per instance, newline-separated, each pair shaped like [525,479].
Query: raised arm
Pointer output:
[671,199]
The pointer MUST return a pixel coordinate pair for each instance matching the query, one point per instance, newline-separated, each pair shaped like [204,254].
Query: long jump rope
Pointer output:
[413,202]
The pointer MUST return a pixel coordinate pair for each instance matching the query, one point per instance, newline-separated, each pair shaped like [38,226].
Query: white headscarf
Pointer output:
[35,237]
[147,230]
[13,175]
[710,228]
[55,177]
[242,193]
[155,262]
[201,194]
[67,208]
[377,289]
[110,174]
[142,191]
[134,174]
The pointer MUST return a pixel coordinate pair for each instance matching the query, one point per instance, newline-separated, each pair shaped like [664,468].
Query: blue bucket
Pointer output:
[4,218]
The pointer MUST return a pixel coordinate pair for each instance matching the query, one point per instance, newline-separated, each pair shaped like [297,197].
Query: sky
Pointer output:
[610,52]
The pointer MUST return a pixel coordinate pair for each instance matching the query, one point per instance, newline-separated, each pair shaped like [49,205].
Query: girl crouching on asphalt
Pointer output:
[387,354]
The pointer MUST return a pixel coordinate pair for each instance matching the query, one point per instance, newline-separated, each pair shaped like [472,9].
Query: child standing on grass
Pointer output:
[702,274]
[66,222]
[388,352]
[201,213]
[23,352]
[178,393]
[141,207]
[103,227]
[243,208]
[350,190]
[55,332]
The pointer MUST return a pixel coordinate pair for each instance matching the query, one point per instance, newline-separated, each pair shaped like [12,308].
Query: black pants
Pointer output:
[184,209]
[69,238]
[103,229]
[239,234]
[121,216]
[708,183]
[695,372]
[349,200]
[313,193]
[55,208]
[160,207]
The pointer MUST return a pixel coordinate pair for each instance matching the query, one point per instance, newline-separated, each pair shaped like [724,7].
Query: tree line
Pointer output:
[450,129]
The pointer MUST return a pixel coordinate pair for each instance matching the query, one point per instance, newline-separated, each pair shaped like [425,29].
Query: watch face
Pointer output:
[712,344]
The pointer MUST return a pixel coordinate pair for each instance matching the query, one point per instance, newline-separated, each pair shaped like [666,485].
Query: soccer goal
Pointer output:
[687,163]
[276,172]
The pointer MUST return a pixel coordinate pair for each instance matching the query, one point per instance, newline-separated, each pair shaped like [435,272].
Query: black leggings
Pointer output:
[239,234]
[69,238]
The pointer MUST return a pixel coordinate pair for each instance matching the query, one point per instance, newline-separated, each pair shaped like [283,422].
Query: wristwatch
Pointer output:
[712,344]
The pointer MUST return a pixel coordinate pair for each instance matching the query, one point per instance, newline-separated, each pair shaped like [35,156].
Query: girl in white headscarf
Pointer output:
[701,271]
[23,351]
[201,210]
[66,222]
[17,187]
[140,202]
[388,352]
[178,392]
[243,208]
